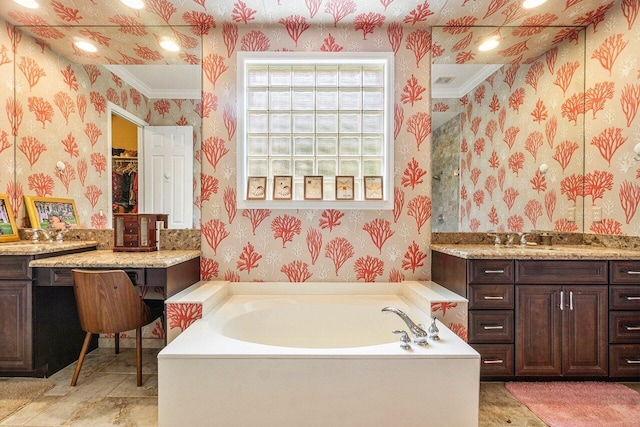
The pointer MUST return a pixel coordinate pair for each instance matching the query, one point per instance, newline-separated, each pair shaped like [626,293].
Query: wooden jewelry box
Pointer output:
[136,232]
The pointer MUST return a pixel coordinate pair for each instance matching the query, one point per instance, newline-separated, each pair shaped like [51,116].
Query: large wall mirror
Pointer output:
[508,129]
[65,97]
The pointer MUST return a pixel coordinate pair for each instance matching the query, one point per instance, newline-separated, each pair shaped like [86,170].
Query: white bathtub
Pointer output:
[316,359]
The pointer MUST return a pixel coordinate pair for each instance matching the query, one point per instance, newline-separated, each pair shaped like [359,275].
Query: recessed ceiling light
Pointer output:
[85,45]
[489,44]
[133,4]
[169,44]
[31,4]
[530,4]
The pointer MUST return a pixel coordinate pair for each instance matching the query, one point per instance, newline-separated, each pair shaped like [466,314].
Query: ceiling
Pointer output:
[110,24]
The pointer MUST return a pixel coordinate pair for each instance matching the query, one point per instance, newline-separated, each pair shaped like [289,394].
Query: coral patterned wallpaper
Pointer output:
[521,117]
[319,245]
[61,115]
[326,245]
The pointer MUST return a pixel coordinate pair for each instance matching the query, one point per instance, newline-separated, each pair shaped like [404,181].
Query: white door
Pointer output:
[168,173]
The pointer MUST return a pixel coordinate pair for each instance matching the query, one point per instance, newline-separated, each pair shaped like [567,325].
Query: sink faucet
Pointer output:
[419,334]
[496,238]
[44,233]
[523,238]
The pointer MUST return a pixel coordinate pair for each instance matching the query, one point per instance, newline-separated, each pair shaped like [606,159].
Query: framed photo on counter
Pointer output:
[8,228]
[51,212]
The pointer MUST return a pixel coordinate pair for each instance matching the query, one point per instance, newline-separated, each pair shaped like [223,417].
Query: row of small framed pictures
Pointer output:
[313,187]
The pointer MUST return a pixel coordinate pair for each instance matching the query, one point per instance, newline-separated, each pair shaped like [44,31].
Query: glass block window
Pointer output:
[315,114]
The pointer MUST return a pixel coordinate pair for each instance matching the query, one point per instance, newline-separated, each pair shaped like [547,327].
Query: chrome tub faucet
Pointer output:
[419,334]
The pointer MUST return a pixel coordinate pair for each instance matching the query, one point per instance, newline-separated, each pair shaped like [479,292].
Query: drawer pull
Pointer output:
[630,272]
[494,272]
[633,298]
[489,297]
[632,328]
[493,362]
[633,362]
[491,328]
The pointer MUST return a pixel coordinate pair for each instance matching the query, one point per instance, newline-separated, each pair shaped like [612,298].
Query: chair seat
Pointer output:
[108,303]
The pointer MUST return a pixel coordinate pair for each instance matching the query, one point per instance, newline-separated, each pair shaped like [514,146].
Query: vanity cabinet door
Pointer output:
[16,324]
[538,330]
[561,330]
[584,331]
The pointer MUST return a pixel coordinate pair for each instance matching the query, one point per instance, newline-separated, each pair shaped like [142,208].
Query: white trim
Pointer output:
[149,92]
[468,86]
[114,109]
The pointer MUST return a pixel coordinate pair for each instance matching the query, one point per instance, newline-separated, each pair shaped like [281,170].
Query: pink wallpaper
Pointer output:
[521,117]
[317,245]
[60,115]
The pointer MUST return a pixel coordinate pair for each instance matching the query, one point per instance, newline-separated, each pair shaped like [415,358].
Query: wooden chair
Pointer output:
[108,303]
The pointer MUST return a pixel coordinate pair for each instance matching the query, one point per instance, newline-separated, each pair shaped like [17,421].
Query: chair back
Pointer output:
[107,302]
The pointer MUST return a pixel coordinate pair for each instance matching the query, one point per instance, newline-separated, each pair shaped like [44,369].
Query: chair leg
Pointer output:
[139,355]
[83,352]
[117,341]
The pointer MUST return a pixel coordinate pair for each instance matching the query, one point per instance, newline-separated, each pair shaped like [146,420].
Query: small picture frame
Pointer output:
[313,188]
[8,228]
[373,188]
[51,212]
[257,188]
[282,187]
[344,188]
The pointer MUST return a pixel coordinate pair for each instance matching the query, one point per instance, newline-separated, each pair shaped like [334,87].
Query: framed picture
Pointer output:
[282,187]
[50,212]
[373,188]
[8,228]
[257,188]
[344,187]
[313,187]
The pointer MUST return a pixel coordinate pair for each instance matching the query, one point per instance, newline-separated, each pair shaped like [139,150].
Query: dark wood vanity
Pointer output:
[39,322]
[38,327]
[555,316]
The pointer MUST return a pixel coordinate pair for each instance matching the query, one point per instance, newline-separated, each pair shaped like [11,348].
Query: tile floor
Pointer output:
[106,395]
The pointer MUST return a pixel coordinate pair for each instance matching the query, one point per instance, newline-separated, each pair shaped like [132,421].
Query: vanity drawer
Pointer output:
[491,297]
[624,297]
[490,271]
[625,272]
[15,267]
[571,272]
[496,360]
[624,327]
[494,326]
[64,277]
[624,360]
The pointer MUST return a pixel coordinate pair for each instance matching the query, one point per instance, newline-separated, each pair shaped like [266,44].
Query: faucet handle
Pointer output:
[404,337]
[496,240]
[433,331]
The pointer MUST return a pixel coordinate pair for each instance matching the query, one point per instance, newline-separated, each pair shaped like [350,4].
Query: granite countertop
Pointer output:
[560,252]
[110,259]
[27,247]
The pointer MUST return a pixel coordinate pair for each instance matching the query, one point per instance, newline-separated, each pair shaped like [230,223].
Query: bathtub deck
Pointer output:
[208,379]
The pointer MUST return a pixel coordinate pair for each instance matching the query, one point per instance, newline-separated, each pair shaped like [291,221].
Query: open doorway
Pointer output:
[125,170]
